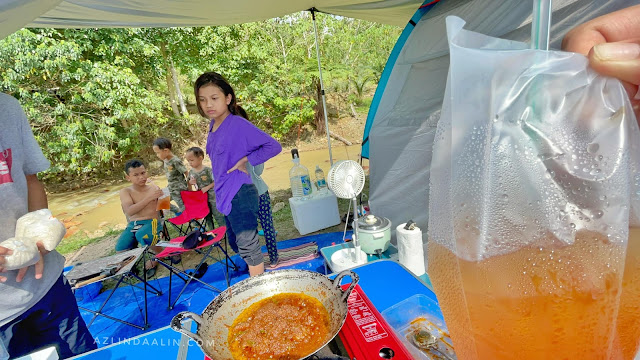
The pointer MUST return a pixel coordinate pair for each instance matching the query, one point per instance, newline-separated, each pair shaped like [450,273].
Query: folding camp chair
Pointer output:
[196,209]
[211,239]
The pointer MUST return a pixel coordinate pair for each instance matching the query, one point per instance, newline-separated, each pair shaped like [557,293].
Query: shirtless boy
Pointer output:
[139,203]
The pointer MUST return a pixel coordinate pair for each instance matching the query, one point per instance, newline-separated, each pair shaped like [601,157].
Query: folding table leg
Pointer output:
[226,255]
[177,271]
[99,312]
[172,271]
[155,291]
[112,318]
[193,278]
[227,276]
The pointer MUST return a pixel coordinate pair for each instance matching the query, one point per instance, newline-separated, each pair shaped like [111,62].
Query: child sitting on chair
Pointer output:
[139,203]
[202,177]
[175,171]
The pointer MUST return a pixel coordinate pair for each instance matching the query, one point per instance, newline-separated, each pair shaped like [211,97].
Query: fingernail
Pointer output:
[617,51]
[637,97]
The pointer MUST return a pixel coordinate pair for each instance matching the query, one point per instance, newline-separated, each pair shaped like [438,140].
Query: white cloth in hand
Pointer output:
[25,253]
[41,226]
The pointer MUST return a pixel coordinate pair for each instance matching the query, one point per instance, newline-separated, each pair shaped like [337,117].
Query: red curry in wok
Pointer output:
[284,326]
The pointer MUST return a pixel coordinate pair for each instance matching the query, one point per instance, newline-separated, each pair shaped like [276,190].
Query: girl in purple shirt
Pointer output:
[232,142]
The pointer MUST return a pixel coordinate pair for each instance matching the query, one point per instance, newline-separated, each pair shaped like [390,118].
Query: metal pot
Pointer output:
[213,325]
[374,233]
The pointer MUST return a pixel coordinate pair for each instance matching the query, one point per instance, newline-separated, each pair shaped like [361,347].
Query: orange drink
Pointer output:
[542,302]
[627,341]
[164,203]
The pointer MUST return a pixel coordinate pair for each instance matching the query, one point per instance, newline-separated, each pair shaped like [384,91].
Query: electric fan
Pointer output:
[346,181]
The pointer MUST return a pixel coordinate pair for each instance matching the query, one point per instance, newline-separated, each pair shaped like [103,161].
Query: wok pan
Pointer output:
[213,325]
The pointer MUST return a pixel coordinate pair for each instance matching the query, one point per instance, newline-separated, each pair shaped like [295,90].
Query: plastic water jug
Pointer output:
[321,183]
[299,177]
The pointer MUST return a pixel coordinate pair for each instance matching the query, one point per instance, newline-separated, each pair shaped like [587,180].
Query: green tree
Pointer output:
[97,97]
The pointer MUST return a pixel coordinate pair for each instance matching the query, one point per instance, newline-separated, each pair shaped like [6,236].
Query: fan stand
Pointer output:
[346,180]
[356,236]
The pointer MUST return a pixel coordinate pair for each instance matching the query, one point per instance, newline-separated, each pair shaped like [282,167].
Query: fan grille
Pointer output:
[346,179]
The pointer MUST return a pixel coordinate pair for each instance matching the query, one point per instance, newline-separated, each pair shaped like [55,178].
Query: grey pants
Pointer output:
[242,224]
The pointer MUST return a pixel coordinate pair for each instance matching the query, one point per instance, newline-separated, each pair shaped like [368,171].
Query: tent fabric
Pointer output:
[16,14]
[402,120]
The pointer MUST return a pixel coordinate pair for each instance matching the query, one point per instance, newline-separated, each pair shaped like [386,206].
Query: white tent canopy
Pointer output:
[16,14]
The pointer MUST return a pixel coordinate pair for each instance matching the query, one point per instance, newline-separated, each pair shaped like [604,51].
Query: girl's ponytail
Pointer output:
[240,111]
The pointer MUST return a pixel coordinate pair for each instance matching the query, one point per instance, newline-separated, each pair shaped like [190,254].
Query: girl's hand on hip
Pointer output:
[240,165]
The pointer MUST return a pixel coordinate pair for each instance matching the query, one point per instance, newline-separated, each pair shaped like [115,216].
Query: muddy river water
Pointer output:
[95,210]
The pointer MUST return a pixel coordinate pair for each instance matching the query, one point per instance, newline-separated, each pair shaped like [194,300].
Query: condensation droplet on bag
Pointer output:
[593,148]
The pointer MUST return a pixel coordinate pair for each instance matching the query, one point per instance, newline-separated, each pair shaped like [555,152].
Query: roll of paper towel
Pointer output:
[410,251]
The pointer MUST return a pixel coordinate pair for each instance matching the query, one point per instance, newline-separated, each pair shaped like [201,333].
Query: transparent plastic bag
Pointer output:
[534,186]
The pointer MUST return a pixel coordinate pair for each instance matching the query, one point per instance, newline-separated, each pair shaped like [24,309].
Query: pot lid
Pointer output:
[373,223]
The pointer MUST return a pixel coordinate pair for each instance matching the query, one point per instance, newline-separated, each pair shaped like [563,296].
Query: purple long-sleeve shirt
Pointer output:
[234,139]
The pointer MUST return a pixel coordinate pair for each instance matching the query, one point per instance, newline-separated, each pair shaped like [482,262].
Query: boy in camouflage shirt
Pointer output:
[175,170]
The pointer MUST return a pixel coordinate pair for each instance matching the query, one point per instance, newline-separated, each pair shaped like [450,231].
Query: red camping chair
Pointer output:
[196,209]
[211,239]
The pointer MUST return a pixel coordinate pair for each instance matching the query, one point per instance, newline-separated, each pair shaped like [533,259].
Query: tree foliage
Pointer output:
[96,97]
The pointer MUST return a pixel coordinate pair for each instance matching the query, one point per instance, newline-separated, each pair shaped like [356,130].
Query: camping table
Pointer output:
[385,282]
[125,274]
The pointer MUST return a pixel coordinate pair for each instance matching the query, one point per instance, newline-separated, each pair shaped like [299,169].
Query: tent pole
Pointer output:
[324,102]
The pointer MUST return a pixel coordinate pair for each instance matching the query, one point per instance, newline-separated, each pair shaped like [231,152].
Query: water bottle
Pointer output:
[299,177]
[321,183]
[195,186]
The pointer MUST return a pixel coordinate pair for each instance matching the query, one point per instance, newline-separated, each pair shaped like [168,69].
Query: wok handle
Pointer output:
[354,282]
[176,324]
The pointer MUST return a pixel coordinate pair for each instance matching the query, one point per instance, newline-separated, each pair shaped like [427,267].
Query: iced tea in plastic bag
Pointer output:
[534,188]
[164,201]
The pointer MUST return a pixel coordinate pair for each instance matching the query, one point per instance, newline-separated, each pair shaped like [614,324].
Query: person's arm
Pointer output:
[130,208]
[612,44]
[208,187]
[36,200]
[37,197]
[261,145]
[258,169]
[179,166]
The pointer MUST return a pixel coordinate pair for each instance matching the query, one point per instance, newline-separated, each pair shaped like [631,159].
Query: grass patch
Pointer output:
[362,107]
[77,241]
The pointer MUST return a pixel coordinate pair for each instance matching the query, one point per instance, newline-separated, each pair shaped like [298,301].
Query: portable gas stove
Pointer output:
[365,334]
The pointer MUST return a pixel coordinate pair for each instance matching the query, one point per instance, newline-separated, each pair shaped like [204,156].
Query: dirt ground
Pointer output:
[348,127]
